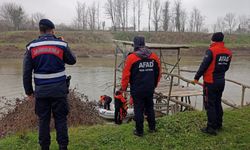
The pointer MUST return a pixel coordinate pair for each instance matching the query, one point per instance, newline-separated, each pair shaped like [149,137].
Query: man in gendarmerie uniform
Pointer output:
[142,71]
[213,68]
[46,58]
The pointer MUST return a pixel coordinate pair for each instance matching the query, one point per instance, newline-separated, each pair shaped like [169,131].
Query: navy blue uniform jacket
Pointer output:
[45,58]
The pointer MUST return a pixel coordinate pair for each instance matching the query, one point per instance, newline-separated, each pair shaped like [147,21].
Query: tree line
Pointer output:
[126,15]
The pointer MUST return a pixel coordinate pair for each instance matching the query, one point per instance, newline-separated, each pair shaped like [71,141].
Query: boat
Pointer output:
[110,114]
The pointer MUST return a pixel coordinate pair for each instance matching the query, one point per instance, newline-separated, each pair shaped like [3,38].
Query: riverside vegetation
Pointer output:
[99,43]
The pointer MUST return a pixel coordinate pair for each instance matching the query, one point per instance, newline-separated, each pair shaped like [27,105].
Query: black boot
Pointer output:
[44,147]
[209,130]
[137,133]
[152,130]
[63,147]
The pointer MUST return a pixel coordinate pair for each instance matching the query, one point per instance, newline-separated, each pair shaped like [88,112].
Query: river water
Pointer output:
[94,76]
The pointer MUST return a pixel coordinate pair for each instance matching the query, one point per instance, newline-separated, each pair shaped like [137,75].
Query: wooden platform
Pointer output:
[156,45]
[179,91]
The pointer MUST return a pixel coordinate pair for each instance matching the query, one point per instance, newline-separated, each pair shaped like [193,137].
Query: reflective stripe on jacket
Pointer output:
[46,58]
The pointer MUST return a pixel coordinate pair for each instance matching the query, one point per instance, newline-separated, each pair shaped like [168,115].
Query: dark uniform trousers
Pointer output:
[143,102]
[118,105]
[59,109]
[212,102]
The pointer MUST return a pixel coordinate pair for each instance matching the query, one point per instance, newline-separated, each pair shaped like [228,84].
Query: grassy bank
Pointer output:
[180,131]
[98,43]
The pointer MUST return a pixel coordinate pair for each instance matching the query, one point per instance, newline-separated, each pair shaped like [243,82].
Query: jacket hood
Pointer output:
[143,53]
[221,44]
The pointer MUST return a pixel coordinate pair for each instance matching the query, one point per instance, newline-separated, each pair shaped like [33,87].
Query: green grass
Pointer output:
[179,131]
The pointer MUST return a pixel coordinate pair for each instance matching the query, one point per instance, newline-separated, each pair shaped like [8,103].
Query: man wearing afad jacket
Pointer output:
[213,68]
[142,71]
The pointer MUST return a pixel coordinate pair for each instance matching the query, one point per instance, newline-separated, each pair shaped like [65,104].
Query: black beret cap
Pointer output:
[218,37]
[47,23]
[139,42]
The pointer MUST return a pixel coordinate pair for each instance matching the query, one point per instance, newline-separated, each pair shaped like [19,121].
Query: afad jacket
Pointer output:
[215,63]
[142,71]
[45,58]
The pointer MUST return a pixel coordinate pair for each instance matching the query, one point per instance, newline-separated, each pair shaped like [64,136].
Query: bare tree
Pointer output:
[98,16]
[13,13]
[127,10]
[156,14]
[35,18]
[172,22]
[191,22]
[196,20]
[166,15]
[134,15]
[149,13]
[78,19]
[92,17]
[139,13]
[230,22]
[123,23]
[244,24]
[121,13]
[219,26]
[183,20]
[110,8]
[177,11]
[81,18]
[84,16]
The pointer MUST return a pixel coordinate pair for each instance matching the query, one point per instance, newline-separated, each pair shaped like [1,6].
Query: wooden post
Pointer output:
[163,61]
[176,105]
[115,70]
[178,65]
[243,96]
[169,93]
[182,99]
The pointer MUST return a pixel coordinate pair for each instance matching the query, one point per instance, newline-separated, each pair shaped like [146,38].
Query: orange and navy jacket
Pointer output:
[142,70]
[121,98]
[215,63]
[105,98]
[102,99]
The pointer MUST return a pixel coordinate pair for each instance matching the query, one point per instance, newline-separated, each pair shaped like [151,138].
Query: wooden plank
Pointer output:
[241,84]
[226,102]
[179,91]
[182,103]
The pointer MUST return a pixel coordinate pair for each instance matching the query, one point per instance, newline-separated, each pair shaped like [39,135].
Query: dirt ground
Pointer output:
[23,118]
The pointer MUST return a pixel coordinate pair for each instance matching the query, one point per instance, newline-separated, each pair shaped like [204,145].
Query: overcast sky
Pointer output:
[63,11]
